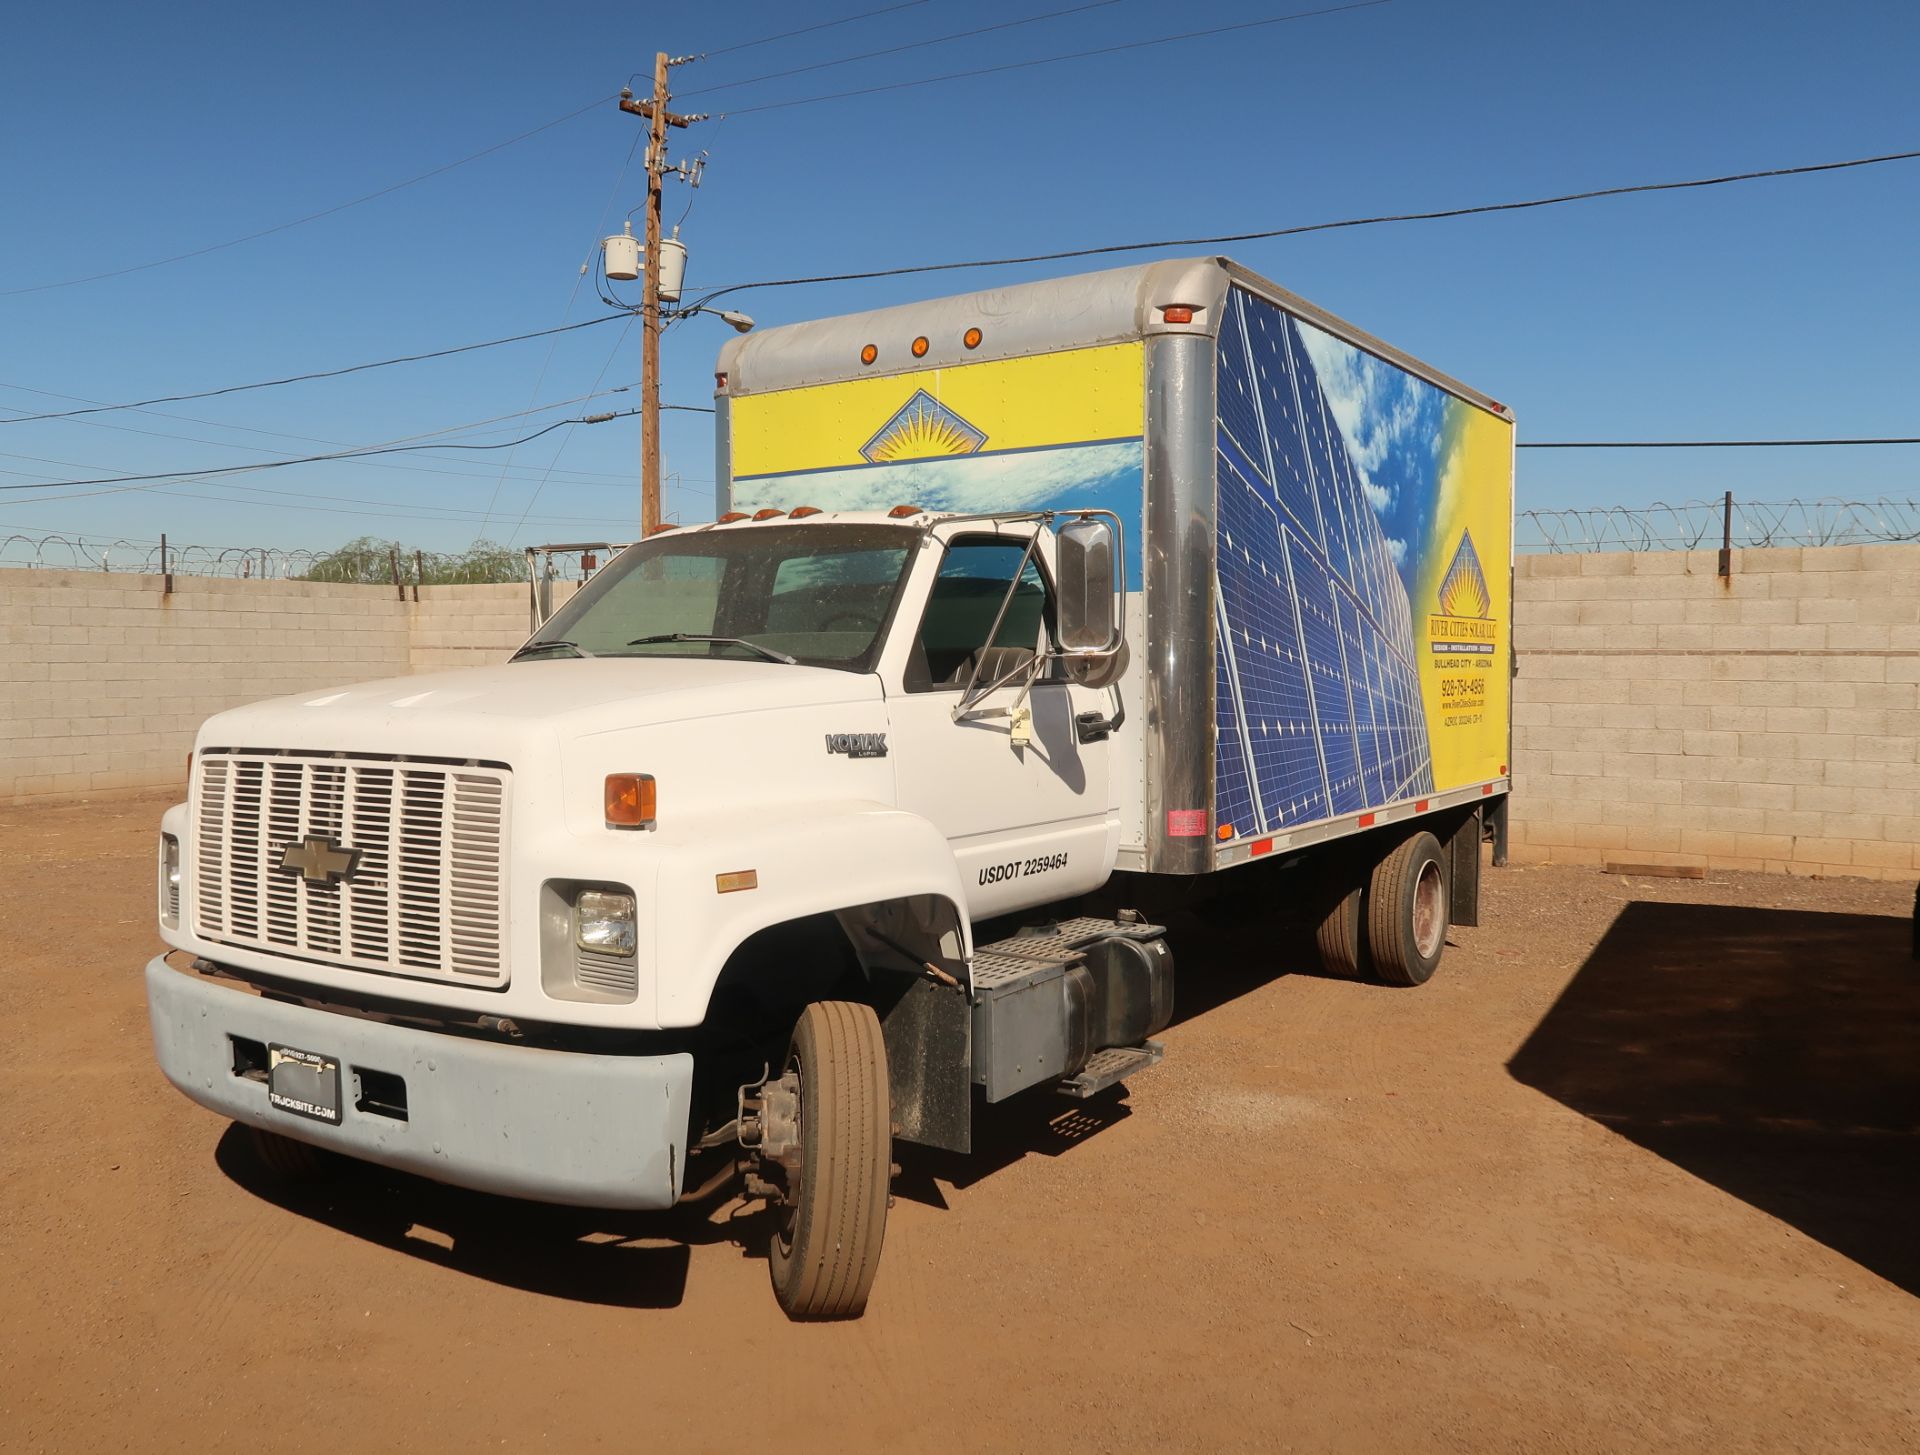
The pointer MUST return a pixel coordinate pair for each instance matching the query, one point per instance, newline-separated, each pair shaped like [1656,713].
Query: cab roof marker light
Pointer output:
[901,512]
[664,525]
[731,516]
[801,512]
[768,513]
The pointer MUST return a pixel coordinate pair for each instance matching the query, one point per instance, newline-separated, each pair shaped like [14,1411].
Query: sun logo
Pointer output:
[922,429]
[1463,590]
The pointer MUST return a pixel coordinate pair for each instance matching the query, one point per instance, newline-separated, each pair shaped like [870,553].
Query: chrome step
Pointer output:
[1110,1067]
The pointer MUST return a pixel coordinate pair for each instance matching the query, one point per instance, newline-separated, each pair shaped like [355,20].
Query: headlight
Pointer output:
[603,922]
[169,879]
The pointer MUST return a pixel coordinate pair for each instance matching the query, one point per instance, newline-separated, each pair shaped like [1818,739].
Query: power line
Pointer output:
[1234,237]
[894,50]
[1710,444]
[1056,60]
[322,459]
[573,293]
[316,440]
[235,242]
[353,454]
[809,29]
[319,374]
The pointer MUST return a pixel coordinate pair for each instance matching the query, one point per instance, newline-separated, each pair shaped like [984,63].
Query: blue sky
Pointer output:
[135,131]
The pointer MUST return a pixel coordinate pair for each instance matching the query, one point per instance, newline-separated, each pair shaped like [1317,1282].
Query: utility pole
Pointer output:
[654,112]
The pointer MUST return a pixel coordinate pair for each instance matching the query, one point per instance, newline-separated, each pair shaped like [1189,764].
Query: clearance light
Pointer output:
[631,800]
[768,514]
[735,882]
[901,512]
[1177,313]
[1224,832]
[664,525]
[971,338]
[869,354]
[731,516]
[719,382]
[801,512]
[920,347]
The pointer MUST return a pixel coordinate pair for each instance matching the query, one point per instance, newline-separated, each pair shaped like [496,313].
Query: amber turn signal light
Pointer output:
[630,800]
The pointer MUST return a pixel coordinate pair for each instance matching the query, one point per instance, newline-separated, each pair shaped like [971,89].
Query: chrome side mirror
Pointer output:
[1089,582]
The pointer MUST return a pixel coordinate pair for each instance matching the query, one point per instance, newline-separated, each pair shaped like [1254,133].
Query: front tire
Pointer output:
[826,1250]
[1407,912]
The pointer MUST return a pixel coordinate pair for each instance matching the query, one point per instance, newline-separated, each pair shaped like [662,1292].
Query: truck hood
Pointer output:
[489,712]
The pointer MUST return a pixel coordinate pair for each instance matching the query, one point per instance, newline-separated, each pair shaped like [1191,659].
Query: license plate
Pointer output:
[304,1083]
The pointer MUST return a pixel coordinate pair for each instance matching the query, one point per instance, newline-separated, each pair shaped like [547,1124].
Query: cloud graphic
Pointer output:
[1375,406]
[1019,481]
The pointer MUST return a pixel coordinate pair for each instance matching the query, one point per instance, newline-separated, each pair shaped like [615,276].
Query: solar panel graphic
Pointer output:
[1318,703]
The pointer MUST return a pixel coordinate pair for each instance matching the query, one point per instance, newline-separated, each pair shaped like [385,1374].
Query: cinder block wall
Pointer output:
[104,679]
[1767,720]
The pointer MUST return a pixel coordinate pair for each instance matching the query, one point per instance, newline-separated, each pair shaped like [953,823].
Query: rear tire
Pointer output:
[1406,911]
[1340,932]
[827,1249]
[286,1160]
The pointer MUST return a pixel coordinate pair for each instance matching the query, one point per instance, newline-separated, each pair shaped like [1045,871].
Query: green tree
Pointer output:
[368,561]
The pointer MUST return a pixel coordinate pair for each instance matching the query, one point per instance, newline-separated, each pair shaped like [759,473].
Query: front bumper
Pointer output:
[554,1126]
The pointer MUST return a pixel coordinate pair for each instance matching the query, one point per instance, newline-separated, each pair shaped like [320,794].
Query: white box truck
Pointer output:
[809,829]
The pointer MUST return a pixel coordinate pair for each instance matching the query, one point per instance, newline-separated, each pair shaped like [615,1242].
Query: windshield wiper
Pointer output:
[768,652]
[549,645]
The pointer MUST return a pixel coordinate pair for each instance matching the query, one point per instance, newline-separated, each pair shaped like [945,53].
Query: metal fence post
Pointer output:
[1726,537]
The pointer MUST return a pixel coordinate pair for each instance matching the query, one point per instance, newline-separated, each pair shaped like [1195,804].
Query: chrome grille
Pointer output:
[427,896]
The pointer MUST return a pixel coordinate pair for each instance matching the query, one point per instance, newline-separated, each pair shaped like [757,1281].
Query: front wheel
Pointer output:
[833,1220]
[1407,911]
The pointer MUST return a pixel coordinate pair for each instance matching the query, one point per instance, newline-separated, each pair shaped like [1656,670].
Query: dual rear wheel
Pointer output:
[1389,924]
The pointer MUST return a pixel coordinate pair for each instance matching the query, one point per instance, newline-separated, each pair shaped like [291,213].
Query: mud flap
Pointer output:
[929,1034]
[1463,871]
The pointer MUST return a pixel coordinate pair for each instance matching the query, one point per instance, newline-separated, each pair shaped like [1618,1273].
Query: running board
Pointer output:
[1109,1068]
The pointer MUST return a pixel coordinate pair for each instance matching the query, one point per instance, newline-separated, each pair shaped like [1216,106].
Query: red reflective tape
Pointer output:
[1420,806]
[1485,789]
[1365,820]
[1262,846]
[1186,823]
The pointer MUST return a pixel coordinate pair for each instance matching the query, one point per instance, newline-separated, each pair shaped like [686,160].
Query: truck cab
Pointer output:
[547,928]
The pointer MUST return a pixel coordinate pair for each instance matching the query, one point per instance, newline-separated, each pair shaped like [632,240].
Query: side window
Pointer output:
[973,580]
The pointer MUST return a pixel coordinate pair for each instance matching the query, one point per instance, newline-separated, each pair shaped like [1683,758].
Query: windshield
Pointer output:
[816,593]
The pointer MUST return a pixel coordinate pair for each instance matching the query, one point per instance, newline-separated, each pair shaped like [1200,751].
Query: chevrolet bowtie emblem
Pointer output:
[319,860]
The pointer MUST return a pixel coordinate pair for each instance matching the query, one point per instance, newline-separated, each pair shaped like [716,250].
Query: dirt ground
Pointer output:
[1637,1171]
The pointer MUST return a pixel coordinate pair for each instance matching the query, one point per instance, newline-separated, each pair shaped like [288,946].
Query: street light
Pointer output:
[739,322]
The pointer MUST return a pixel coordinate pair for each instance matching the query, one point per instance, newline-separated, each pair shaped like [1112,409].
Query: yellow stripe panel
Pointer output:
[1041,399]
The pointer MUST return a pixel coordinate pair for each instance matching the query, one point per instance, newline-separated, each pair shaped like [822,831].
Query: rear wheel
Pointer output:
[1340,932]
[1406,911]
[286,1160]
[833,1220]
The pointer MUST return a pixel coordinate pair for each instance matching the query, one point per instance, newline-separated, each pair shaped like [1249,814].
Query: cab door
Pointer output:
[1027,805]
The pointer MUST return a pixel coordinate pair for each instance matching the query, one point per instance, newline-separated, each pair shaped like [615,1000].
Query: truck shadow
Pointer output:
[589,1255]
[1772,1053]
[1038,1123]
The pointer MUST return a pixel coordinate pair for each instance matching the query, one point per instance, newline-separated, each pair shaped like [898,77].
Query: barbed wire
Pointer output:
[1702,524]
[1691,525]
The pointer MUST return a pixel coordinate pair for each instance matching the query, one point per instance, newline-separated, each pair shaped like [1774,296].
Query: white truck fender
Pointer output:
[802,860]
